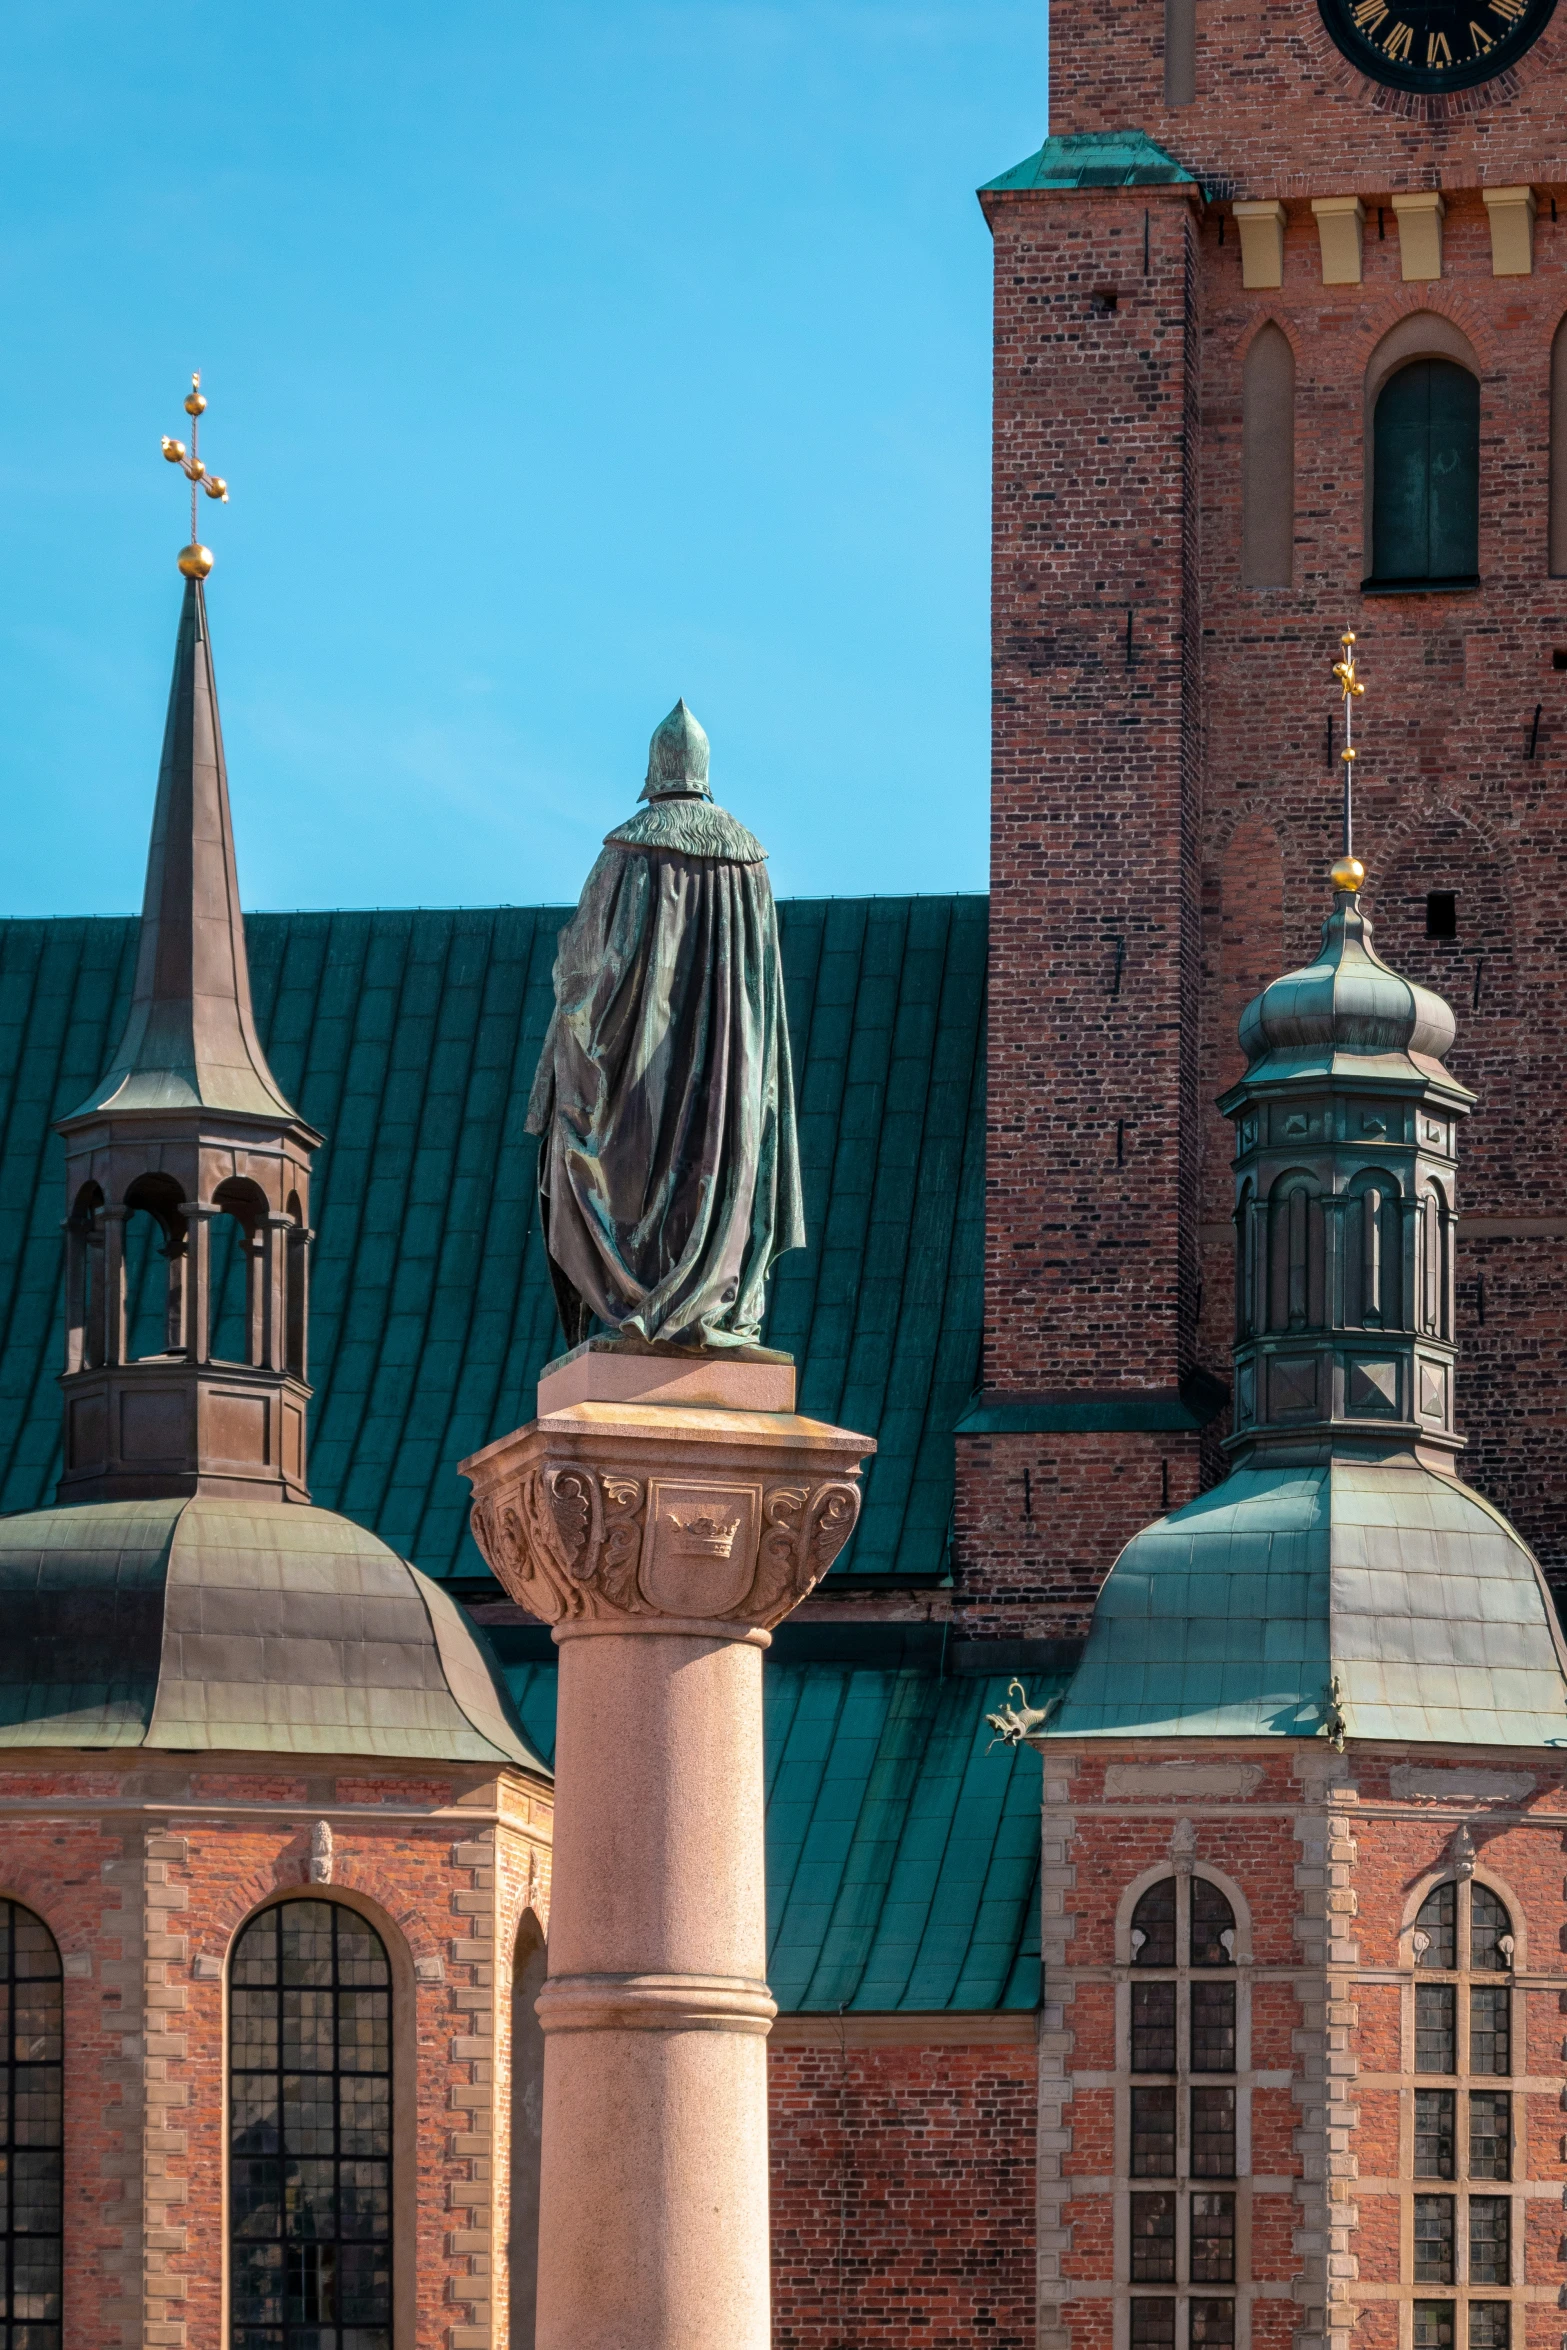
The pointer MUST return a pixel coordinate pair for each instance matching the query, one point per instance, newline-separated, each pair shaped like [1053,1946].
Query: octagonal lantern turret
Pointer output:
[1346,1126]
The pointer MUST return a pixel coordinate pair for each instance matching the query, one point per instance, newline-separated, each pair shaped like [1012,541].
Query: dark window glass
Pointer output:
[1153,2239]
[1434,2133]
[1213,2239]
[1153,2133]
[1435,2036]
[1425,522]
[1154,1920]
[30,2131]
[1489,2325]
[1441,913]
[1490,2038]
[1213,2027]
[1490,2240]
[310,2132]
[1490,2134]
[1213,2325]
[1433,2325]
[1213,2133]
[1153,2325]
[1213,1926]
[1153,2027]
[1489,1926]
[1433,2239]
[1438,1922]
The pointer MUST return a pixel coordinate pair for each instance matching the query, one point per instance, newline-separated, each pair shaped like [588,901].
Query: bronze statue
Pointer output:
[669,1169]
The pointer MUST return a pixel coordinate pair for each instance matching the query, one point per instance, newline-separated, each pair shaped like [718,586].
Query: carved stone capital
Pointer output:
[654,1518]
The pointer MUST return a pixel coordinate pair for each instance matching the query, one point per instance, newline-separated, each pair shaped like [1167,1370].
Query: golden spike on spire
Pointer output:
[195,560]
[1349,873]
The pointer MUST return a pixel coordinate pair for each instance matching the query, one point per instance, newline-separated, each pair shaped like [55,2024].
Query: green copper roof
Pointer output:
[254,1625]
[1235,1616]
[410,1039]
[1095,159]
[902,1856]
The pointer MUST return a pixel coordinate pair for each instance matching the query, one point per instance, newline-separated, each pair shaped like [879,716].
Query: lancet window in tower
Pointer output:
[1460,2045]
[1179,2062]
[31,2131]
[310,2132]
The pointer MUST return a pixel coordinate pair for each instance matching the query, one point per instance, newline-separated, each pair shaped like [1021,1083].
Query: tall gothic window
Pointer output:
[1425,510]
[1182,2053]
[1461,2048]
[31,2130]
[310,2132]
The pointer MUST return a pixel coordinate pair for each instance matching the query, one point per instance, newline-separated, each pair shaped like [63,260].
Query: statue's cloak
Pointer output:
[669,1167]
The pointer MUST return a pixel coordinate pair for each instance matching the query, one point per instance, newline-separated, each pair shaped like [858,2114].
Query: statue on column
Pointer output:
[669,1169]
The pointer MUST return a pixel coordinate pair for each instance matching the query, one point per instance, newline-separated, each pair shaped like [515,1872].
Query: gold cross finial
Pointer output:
[1348,873]
[195,560]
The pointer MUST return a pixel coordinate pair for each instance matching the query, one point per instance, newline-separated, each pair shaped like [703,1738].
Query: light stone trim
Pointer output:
[1512,230]
[1447,1784]
[1420,220]
[1261,226]
[1324,1925]
[143,2193]
[1057,1928]
[1172,1779]
[1340,221]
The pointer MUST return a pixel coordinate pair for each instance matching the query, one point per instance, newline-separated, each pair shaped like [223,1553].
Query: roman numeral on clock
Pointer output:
[1437,50]
[1401,40]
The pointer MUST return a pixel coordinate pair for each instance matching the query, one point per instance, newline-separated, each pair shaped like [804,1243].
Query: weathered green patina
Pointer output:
[1342,1582]
[669,1170]
[248,1625]
[1095,159]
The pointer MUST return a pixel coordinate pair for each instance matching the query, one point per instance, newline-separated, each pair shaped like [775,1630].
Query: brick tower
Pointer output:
[1277,352]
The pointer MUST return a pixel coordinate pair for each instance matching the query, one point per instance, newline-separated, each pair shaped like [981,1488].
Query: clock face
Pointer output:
[1434,44]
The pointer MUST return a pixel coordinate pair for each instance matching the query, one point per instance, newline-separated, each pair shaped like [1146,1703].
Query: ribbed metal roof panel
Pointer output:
[410,1039]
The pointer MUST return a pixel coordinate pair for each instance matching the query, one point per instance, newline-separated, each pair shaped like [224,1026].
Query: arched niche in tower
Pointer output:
[1294,1210]
[1268,460]
[84,1336]
[1558,497]
[238,1240]
[1373,1252]
[155,1259]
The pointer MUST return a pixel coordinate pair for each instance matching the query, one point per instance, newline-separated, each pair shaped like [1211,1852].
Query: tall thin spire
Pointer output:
[190,1038]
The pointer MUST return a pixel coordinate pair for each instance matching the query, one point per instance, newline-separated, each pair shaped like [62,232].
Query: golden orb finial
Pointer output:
[195,560]
[1348,873]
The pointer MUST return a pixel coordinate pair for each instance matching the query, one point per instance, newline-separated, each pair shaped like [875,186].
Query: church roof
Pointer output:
[902,1841]
[410,1040]
[1381,1591]
[197,1624]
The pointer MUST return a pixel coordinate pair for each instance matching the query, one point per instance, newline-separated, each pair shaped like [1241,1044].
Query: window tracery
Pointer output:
[1460,2043]
[31,2131]
[1180,2056]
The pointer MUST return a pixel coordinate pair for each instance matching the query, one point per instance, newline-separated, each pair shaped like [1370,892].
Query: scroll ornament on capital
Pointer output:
[571,1542]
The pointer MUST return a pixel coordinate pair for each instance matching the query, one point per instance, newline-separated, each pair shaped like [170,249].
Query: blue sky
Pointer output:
[562,359]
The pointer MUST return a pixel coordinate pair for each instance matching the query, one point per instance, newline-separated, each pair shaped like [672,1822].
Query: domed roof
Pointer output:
[1347,1002]
[200,1623]
[1379,1594]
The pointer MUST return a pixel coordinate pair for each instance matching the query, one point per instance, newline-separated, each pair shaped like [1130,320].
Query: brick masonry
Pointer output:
[1164,799]
[145,1876]
[1327,1859]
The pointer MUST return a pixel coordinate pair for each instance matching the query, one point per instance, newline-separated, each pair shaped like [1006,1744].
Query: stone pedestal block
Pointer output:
[662,1540]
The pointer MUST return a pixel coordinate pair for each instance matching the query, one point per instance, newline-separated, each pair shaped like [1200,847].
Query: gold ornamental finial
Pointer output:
[195,560]
[1348,873]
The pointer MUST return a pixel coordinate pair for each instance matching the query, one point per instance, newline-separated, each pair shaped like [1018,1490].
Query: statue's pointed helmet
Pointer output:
[677,758]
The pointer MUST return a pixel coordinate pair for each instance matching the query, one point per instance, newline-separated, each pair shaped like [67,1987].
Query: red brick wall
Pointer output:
[1184,802]
[902,2196]
[145,1899]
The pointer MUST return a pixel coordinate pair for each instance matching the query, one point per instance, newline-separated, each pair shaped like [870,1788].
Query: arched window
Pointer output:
[1462,1945]
[527,2129]
[1268,461]
[310,2132]
[1181,2055]
[31,2129]
[1425,525]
